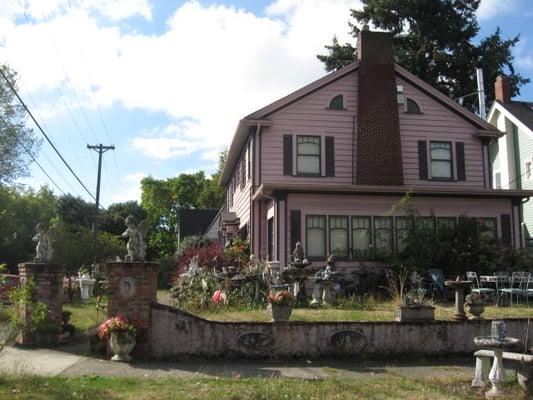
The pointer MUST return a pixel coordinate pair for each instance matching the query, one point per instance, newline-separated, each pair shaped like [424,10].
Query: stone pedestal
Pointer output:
[132,288]
[48,280]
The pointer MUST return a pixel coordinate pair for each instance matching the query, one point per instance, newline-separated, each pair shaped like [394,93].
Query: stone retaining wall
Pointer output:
[175,333]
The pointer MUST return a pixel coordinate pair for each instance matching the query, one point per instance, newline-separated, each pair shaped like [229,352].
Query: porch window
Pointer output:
[425,225]
[308,155]
[488,228]
[403,227]
[382,236]
[441,160]
[361,234]
[338,236]
[316,236]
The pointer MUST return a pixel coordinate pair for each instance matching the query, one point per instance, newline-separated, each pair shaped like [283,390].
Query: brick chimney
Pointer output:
[378,151]
[502,89]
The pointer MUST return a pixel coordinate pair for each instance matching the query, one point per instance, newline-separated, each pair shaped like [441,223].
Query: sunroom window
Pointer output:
[316,236]
[338,236]
[361,234]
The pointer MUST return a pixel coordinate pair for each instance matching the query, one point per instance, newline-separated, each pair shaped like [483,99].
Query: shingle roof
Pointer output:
[522,110]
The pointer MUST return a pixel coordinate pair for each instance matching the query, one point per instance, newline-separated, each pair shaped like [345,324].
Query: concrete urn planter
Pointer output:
[414,313]
[475,309]
[280,313]
[121,343]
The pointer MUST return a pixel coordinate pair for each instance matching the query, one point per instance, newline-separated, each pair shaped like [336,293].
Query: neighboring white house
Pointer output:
[511,156]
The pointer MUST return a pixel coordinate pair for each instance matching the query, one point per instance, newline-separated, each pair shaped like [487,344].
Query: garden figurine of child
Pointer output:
[136,234]
[43,237]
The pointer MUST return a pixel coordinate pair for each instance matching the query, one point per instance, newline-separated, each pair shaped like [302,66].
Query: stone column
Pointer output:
[48,280]
[132,290]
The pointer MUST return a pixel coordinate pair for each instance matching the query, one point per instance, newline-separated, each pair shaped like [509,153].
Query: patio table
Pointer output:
[497,280]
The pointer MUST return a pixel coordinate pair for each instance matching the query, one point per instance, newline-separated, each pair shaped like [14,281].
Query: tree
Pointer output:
[75,211]
[17,141]
[434,39]
[112,220]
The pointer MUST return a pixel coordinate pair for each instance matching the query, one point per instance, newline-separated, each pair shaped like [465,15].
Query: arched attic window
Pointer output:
[336,103]
[412,107]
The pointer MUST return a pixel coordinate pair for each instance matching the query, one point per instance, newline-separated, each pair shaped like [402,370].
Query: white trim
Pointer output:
[509,116]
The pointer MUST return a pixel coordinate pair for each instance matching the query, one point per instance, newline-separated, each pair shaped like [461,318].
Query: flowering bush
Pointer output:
[238,252]
[282,298]
[120,323]
[210,255]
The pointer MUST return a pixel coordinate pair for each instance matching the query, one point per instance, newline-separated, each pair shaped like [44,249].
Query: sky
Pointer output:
[166,82]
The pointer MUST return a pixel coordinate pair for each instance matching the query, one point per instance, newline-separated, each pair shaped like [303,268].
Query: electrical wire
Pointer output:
[44,134]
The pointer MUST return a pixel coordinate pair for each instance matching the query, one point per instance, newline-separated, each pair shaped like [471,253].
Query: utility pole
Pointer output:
[100,149]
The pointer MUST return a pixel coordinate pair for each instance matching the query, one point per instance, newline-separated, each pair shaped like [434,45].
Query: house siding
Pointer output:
[309,116]
[241,195]
[526,155]
[439,124]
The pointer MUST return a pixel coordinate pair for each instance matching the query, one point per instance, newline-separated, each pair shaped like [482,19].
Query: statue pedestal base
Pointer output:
[48,280]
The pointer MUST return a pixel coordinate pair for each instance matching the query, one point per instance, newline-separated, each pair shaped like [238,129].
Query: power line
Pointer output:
[44,134]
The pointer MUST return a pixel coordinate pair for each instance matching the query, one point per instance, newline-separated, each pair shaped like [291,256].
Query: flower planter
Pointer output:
[414,313]
[280,313]
[475,309]
[121,343]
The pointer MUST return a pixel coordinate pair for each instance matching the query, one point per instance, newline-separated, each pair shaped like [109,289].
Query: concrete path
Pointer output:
[73,361]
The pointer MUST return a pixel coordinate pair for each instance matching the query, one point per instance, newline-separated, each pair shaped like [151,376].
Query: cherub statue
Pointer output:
[136,234]
[43,237]
[298,254]
[254,266]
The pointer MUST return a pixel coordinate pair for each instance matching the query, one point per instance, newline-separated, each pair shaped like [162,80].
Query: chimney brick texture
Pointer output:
[378,151]
[502,89]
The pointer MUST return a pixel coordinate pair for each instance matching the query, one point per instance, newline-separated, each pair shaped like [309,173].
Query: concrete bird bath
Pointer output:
[496,344]
[459,286]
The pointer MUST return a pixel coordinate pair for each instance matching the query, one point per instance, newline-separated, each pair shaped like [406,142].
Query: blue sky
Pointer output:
[167,81]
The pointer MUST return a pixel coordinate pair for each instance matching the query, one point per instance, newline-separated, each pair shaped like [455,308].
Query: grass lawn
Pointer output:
[85,318]
[383,386]
[382,311]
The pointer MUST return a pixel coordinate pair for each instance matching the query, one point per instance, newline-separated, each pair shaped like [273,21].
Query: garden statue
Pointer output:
[43,237]
[194,269]
[324,288]
[136,234]
[254,266]
[297,258]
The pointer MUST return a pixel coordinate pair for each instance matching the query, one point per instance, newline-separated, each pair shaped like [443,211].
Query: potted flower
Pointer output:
[280,305]
[474,305]
[415,307]
[123,334]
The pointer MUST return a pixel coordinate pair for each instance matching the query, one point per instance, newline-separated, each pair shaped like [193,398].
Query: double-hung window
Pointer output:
[488,228]
[338,236]
[382,236]
[316,236]
[361,234]
[441,160]
[308,155]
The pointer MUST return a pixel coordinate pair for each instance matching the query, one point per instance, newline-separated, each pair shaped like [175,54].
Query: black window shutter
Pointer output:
[422,160]
[506,229]
[287,154]
[460,156]
[296,228]
[330,156]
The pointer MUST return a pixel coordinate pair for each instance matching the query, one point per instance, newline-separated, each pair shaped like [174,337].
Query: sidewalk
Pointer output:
[70,361]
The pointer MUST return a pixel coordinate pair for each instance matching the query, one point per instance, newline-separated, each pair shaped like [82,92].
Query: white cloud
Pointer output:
[491,8]
[133,191]
[213,65]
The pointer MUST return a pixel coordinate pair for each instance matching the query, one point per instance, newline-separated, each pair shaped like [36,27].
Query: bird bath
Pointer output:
[86,286]
[497,372]
[459,286]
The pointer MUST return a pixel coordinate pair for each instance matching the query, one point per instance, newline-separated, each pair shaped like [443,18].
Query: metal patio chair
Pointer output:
[517,286]
[477,287]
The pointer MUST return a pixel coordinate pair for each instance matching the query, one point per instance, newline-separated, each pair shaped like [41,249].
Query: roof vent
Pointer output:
[400,95]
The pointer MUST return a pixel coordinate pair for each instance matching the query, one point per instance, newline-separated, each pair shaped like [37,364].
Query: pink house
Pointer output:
[325,164]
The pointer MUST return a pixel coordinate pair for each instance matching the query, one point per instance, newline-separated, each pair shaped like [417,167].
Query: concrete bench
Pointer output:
[483,358]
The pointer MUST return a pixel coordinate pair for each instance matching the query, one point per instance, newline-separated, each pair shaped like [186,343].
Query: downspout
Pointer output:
[252,191]
[517,157]
[523,243]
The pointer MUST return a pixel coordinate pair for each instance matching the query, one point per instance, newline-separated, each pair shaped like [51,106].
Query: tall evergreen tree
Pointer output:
[436,41]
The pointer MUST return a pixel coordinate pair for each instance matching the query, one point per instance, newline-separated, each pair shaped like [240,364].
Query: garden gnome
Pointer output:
[43,237]
[136,234]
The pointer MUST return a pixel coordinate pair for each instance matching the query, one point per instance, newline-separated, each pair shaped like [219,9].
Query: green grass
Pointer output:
[84,316]
[380,311]
[382,386]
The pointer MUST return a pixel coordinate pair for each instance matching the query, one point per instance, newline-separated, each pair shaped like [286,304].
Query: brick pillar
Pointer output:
[48,279]
[132,289]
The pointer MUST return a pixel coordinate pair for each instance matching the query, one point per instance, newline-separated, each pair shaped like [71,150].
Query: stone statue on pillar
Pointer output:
[43,237]
[136,234]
